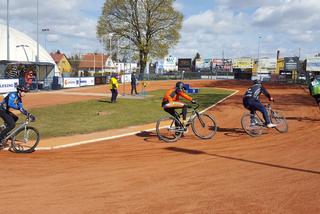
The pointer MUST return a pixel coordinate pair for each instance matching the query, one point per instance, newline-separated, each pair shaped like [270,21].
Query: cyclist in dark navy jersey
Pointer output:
[251,101]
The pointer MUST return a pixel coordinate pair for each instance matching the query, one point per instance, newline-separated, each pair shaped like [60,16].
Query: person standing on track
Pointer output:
[134,83]
[12,101]
[171,102]
[251,101]
[114,85]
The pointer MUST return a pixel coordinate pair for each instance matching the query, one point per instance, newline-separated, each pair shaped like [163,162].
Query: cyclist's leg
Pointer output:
[247,104]
[258,106]
[180,105]
[9,121]
[173,113]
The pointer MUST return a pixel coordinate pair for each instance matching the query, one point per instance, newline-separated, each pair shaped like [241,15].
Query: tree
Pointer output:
[74,62]
[197,56]
[150,26]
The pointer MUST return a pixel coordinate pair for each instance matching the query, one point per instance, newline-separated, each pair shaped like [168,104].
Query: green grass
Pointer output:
[82,117]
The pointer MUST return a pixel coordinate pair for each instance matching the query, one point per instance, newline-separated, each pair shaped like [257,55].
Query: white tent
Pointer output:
[23,48]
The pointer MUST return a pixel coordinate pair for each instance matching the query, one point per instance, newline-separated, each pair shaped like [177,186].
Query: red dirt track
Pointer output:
[231,173]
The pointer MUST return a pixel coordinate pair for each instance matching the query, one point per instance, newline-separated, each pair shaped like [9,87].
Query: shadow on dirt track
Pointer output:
[199,152]
[303,119]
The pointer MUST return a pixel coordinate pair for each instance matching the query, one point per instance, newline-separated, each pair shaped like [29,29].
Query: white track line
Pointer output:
[122,135]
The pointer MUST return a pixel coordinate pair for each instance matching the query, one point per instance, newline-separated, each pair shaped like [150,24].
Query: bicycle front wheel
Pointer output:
[25,140]
[169,129]
[280,121]
[204,126]
[252,125]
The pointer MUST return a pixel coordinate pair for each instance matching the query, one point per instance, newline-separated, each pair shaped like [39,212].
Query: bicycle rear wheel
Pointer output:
[204,126]
[25,140]
[251,125]
[169,129]
[280,121]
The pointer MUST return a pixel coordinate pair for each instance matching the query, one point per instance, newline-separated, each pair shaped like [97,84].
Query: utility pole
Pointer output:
[37,59]
[258,66]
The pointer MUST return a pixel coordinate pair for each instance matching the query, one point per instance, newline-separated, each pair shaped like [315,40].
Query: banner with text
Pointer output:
[8,85]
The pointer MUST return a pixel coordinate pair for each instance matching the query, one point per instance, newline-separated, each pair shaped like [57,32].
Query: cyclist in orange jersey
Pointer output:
[171,101]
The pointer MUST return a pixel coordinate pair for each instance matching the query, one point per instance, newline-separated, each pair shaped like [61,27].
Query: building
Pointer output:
[94,63]
[62,62]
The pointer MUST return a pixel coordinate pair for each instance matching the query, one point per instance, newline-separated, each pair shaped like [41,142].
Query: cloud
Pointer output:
[69,22]
[229,26]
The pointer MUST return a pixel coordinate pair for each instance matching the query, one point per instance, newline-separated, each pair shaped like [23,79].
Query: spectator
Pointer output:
[114,88]
[134,82]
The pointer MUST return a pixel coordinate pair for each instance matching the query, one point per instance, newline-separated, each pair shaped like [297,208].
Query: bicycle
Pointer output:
[23,138]
[170,129]
[254,124]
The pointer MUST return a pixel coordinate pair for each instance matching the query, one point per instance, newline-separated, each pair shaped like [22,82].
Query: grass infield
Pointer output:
[98,115]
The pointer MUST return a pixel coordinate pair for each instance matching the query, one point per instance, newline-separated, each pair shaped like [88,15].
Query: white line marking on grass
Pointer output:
[122,135]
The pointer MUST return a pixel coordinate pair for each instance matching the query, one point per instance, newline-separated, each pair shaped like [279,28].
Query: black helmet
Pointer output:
[22,88]
[180,85]
[257,81]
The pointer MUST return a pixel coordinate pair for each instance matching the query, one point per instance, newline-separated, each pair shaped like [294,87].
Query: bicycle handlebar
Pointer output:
[197,105]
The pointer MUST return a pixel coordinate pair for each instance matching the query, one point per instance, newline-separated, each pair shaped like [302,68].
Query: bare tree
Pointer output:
[150,26]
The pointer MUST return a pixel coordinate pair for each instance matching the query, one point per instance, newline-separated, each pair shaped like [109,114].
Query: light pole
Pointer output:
[23,47]
[8,34]
[45,36]
[258,63]
[37,59]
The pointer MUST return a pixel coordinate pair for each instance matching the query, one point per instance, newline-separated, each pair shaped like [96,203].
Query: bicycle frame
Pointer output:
[261,122]
[194,113]
[14,131]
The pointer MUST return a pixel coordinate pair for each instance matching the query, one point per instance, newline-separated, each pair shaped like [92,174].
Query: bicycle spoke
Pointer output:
[204,126]
[169,129]
[251,124]
[25,140]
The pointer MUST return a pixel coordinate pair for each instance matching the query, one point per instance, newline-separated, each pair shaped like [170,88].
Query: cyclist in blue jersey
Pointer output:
[12,101]
[251,101]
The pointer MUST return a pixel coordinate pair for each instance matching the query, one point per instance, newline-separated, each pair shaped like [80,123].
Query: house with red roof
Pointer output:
[62,62]
[96,63]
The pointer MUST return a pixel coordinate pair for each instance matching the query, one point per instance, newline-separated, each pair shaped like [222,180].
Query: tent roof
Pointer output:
[22,48]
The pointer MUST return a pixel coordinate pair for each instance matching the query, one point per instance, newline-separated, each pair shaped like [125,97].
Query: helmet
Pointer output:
[180,85]
[257,81]
[22,88]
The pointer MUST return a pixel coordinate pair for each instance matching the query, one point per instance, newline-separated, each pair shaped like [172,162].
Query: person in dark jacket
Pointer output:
[251,101]
[133,83]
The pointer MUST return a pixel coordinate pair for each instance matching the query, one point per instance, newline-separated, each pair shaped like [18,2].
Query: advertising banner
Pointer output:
[313,64]
[8,85]
[185,64]
[71,82]
[291,63]
[207,63]
[170,63]
[242,63]
[199,63]
[268,64]
[86,81]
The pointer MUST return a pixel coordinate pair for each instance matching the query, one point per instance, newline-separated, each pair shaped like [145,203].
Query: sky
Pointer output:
[213,28]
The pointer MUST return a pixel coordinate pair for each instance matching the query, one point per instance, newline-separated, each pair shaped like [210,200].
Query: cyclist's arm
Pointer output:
[22,110]
[185,96]
[265,92]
